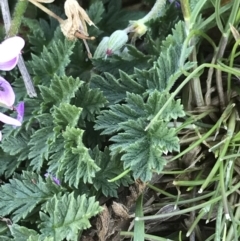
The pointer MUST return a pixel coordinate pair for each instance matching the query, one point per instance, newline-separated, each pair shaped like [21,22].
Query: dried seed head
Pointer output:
[75,24]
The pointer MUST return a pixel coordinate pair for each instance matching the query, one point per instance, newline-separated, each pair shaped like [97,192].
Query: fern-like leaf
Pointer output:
[65,115]
[23,194]
[109,169]
[68,215]
[91,100]
[53,60]
[61,89]
[77,163]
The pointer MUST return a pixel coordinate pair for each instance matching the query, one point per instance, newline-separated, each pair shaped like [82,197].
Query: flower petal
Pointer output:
[9,65]
[9,120]
[56,180]
[7,96]
[11,48]
[20,111]
[9,52]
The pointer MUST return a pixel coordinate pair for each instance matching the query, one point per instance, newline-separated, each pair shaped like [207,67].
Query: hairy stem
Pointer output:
[19,11]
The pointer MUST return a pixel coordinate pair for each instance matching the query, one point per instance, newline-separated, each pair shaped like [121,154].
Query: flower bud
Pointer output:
[101,50]
[116,41]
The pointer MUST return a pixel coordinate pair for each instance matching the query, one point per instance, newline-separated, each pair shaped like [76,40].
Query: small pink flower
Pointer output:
[10,49]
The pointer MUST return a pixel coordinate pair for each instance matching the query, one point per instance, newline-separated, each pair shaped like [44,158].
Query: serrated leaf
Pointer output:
[39,238]
[156,101]
[65,115]
[39,147]
[110,119]
[91,100]
[53,60]
[95,12]
[21,195]
[110,168]
[62,89]
[16,146]
[68,215]
[77,164]
[126,63]
[21,233]
[142,150]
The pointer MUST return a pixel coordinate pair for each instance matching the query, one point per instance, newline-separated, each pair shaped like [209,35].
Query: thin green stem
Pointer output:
[187,210]
[139,227]
[223,152]
[189,77]
[146,236]
[120,176]
[192,183]
[161,191]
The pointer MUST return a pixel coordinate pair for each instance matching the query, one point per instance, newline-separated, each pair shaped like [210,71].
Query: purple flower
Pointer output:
[20,111]
[7,96]
[55,179]
[10,49]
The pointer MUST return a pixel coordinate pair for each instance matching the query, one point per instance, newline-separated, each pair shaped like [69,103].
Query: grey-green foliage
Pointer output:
[77,99]
[22,195]
[63,217]
[143,150]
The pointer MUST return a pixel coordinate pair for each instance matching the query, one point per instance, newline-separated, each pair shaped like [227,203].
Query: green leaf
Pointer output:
[156,101]
[110,168]
[124,61]
[21,233]
[39,238]
[24,193]
[52,61]
[67,215]
[142,150]
[77,163]
[109,120]
[39,147]
[16,146]
[62,89]
[4,230]
[95,12]
[65,115]
[91,100]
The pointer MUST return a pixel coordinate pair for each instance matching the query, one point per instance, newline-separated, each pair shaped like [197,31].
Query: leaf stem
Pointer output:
[120,175]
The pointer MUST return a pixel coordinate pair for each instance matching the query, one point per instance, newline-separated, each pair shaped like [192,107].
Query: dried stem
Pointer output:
[47,11]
